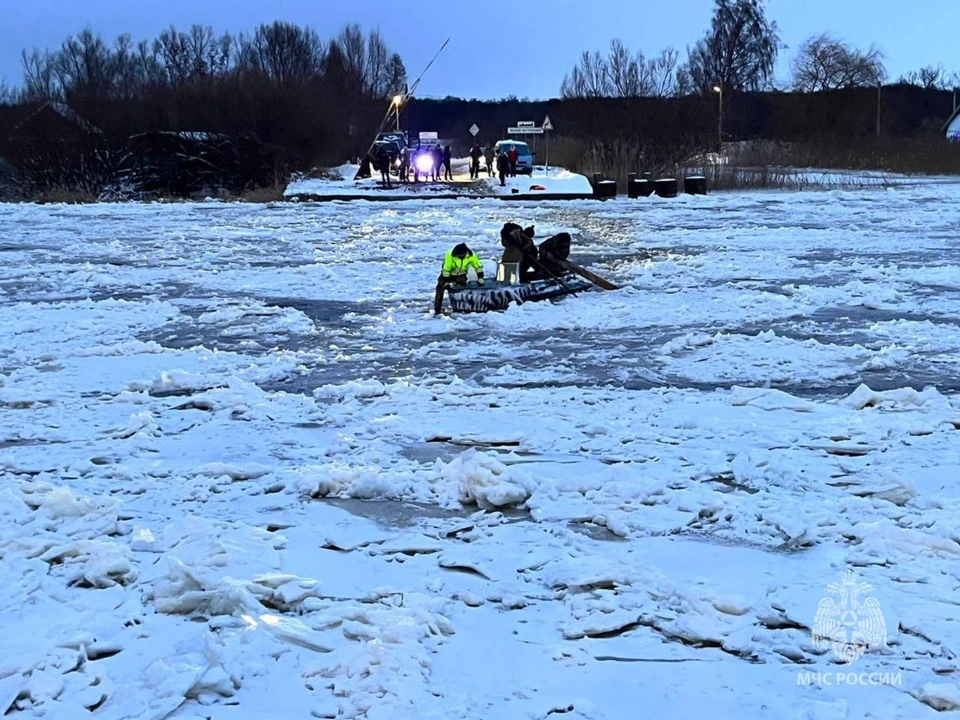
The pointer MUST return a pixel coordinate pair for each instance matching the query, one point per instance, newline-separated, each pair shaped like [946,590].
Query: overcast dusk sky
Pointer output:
[500,47]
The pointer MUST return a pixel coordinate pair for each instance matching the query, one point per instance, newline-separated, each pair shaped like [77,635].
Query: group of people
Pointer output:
[440,161]
[519,248]
[505,162]
[439,167]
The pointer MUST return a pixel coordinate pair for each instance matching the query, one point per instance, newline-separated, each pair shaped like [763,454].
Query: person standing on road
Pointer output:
[414,156]
[437,161]
[475,155]
[405,165]
[383,162]
[447,171]
[489,158]
[503,167]
[513,156]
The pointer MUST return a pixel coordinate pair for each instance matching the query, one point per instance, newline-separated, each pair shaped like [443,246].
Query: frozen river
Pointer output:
[244,472]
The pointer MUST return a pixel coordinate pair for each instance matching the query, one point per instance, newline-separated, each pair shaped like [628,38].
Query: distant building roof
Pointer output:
[68,113]
[15,117]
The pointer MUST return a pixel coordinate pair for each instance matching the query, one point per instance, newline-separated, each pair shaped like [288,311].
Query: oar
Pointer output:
[562,283]
[595,279]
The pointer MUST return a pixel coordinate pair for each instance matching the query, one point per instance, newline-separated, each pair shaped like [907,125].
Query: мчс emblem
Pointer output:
[852,623]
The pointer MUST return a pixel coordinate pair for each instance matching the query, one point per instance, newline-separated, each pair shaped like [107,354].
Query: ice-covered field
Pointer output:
[245,474]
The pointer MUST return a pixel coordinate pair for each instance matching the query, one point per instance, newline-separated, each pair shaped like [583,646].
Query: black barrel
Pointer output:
[645,188]
[665,187]
[695,185]
[633,190]
[605,189]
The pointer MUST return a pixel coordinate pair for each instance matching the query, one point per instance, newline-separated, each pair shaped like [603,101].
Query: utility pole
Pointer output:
[878,108]
[719,89]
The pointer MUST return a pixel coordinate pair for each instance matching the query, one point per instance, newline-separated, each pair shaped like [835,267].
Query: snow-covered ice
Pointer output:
[245,473]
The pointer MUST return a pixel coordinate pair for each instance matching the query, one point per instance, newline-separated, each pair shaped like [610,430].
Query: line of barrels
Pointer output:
[644,185]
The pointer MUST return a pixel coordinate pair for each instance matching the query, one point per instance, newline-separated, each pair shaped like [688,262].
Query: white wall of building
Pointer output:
[953,128]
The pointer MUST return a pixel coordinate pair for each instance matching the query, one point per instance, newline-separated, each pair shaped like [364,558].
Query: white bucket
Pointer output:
[508,273]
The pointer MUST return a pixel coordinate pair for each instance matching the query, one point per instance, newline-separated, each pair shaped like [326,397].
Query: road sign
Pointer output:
[428,135]
[527,123]
[547,125]
[525,130]
[474,129]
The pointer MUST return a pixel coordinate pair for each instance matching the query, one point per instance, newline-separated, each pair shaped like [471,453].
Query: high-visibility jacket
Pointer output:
[456,267]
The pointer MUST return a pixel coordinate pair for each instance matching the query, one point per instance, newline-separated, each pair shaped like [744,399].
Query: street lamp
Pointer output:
[397,99]
[719,89]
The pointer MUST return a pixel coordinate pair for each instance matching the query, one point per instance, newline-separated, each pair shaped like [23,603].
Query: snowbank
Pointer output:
[340,183]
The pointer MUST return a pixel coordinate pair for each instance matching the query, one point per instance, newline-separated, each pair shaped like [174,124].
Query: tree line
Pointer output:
[738,52]
[314,102]
[319,99]
[279,53]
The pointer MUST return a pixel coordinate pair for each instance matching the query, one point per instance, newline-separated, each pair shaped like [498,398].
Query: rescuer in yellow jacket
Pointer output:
[455,265]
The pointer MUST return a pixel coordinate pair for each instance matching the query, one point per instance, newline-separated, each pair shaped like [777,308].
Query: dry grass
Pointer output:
[70,196]
[910,156]
[766,164]
[775,165]
[270,193]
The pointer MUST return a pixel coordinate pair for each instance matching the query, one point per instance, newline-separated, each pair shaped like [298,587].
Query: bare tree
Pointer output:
[739,50]
[396,75]
[127,78]
[39,75]
[282,52]
[589,77]
[930,77]
[207,54]
[662,73]
[369,68]
[197,53]
[171,46]
[85,65]
[149,67]
[826,63]
[621,74]
[377,82]
[684,81]
[8,96]
[335,69]
[623,71]
[353,50]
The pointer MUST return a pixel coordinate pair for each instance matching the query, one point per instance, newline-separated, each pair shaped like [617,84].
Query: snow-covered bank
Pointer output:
[626,499]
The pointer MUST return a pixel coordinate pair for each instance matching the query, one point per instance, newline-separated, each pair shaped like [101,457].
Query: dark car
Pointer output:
[393,148]
[397,138]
